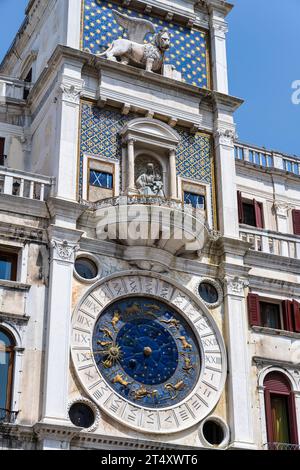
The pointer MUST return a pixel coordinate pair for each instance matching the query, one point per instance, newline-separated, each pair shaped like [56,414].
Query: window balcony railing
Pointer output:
[7,416]
[270,242]
[281,446]
[13,89]
[23,184]
[267,159]
[2,159]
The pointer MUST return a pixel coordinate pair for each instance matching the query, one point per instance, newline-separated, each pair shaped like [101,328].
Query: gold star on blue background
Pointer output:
[188,52]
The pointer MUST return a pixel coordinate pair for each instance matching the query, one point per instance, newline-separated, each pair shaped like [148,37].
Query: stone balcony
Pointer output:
[267,159]
[267,241]
[149,221]
[13,90]
[25,185]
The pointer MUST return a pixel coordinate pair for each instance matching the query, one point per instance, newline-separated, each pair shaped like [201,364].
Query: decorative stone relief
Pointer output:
[281,209]
[64,250]
[150,266]
[71,93]
[235,285]
[226,136]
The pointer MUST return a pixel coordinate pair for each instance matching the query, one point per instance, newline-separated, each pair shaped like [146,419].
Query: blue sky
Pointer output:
[263,59]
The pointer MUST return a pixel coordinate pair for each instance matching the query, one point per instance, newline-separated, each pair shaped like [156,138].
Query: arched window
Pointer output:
[280,410]
[7,347]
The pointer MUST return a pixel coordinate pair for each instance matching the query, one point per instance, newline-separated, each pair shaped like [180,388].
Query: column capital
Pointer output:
[64,243]
[225,136]
[71,90]
[63,250]
[235,286]
[219,27]
[281,208]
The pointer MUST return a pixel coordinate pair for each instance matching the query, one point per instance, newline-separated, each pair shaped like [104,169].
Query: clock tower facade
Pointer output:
[133,275]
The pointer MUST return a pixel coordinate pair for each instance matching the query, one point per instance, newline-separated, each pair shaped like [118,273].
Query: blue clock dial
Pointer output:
[146,352]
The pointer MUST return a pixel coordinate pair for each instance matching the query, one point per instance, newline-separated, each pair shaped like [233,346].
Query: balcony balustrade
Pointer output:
[270,242]
[7,416]
[267,159]
[26,185]
[281,446]
[13,89]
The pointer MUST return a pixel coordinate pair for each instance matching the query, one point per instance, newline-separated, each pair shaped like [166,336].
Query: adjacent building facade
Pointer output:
[149,262]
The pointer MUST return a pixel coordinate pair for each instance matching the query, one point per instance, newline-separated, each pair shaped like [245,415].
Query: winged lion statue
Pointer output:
[133,50]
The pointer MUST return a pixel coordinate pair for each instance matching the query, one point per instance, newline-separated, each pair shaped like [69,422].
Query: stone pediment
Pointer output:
[146,129]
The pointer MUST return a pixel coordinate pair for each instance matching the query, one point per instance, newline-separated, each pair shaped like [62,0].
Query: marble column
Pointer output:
[130,165]
[239,386]
[281,210]
[65,159]
[173,175]
[63,246]
[218,29]
[226,188]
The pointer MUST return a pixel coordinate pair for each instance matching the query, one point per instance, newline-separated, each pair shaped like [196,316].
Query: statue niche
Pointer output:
[132,50]
[149,180]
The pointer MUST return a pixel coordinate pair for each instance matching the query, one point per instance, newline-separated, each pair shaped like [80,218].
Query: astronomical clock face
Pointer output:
[147,352]
[147,355]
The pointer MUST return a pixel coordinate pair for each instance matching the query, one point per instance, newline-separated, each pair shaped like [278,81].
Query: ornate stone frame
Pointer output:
[217,286]
[224,444]
[94,408]
[94,259]
[202,399]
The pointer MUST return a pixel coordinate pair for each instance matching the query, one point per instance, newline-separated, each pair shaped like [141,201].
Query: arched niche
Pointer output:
[151,142]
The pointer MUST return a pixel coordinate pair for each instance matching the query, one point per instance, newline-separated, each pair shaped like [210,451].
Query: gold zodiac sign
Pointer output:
[107,333]
[175,389]
[104,344]
[185,344]
[119,380]
[154,307]
[172,323]
[143,393]
[188,366]
[135,308]
[112,354]
[116,319]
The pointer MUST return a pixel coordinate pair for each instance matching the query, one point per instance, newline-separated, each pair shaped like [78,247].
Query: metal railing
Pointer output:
[2,159]
[270,242]
[7,416]
[23,184]
[281,446]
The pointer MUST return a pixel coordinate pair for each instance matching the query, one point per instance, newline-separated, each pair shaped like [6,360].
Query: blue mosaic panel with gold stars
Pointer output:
[100,136]
[194,156]
[188,52]
[146,352]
